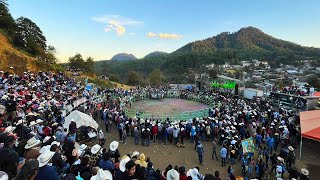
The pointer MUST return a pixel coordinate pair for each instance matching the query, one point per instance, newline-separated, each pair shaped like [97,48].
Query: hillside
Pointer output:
[9,56]
[247,43]
[123,57]
[155,54]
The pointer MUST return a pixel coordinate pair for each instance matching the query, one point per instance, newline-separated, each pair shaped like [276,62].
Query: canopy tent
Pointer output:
[81,119]
[310,126]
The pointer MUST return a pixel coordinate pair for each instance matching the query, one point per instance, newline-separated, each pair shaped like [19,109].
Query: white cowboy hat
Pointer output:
[172,174]
[280,159]
[114,145]
[9,129]
[55,124]
[135,153]
[193,173]
[95,149]
[123,162]
[44,149]
[46,139]
[4,175]
[45,157]
[31,143]
[39,121]
[305,171]
[32,123]
[55,142]
[20,122]
[290,148]
[102,175]
[30,114]
[82,147]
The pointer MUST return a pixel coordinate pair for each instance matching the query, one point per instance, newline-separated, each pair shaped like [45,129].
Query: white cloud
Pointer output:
[116,23]
[115,26]
[132,34]
[164,35]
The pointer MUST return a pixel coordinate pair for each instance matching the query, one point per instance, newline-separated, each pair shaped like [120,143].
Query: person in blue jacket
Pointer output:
[46,170]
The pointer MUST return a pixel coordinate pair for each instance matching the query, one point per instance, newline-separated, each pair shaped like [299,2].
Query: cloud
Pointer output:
[115,26]
[164,35]
[132,34]
[116,23]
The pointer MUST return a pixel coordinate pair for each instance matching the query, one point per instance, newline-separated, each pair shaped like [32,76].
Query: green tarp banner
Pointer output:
[225,85]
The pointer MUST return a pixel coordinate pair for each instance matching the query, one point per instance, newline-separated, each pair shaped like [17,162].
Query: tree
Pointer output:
[7,22]
[133,78]
[313,80]
[33,40]
[89,65]
[50,55]
[76,62]
[156,78]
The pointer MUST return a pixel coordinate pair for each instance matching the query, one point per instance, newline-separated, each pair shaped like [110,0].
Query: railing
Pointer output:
[174,116]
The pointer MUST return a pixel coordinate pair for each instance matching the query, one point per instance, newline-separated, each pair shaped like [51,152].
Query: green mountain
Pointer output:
[246,44]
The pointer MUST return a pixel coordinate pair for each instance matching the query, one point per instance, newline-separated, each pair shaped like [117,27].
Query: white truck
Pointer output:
[250,93]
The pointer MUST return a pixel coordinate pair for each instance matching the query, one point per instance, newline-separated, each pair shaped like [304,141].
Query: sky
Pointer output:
[103,28]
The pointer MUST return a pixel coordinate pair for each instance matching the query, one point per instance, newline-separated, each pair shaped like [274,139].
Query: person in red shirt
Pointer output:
[154,132]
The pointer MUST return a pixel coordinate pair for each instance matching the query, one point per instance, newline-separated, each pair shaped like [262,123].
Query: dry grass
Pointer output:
[9,56]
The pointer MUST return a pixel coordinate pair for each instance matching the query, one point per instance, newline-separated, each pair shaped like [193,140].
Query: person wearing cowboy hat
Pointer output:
[46,170]
[172,174]
[304,174]
[293,173]
[95,155]
[291,157]
[114,152]
[32,148]
[102,175]
[127,169]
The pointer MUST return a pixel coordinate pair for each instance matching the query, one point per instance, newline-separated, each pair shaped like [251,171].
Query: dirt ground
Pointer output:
[163,155]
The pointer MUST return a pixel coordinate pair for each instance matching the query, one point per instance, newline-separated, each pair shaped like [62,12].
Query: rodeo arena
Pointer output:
[53,127]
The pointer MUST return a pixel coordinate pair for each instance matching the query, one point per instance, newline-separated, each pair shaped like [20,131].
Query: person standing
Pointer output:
[214,149]
[223,154]
[200,152]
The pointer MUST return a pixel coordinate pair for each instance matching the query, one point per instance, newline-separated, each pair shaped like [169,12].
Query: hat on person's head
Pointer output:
[55,124]
[46,139]
[39,121]
[6,138]
[32,123]
[9,129]
[32,142]
[20,122]
[172,174]
[123,162]
[45,158]
[55,142]
[102,175]
[193,173]
[304,171]
[280,159]
[290,148]
[82,147]
[4,175]
[44,149]
[114,145]
[135,154]
[2,109]
[95,149]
